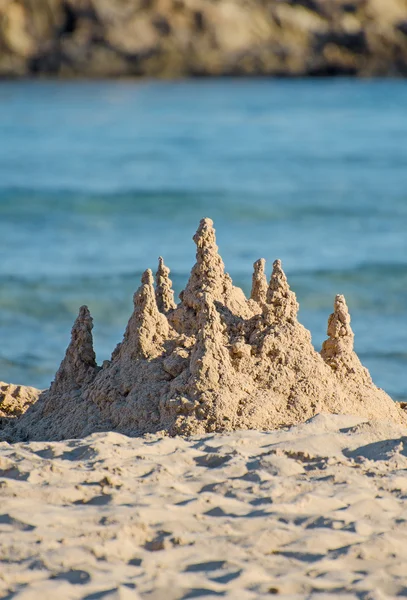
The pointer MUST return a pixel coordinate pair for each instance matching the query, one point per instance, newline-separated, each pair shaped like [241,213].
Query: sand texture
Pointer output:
[16,399]
[316,511]
[217,361]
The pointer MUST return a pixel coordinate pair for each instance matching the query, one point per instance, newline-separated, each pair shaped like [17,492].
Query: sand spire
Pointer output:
[208,274]
[79,365]
[147,328]
[259,282]
[339,331]
[337,351]
[280,296]
[164,293]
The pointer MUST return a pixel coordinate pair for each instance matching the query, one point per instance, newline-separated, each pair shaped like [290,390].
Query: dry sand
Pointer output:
[316,511]
[15,400]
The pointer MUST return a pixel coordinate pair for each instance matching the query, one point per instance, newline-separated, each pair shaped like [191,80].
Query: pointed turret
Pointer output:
[338,348]
[279,295]
[164,293]
[148,279]
[259,282]
[208,274]
[339,329]
[337,351]
[205,239]
[362,396]
[79,365]
[147,328]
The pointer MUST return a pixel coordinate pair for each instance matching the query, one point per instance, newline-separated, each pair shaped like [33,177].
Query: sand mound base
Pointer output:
[317,511]
[217,361]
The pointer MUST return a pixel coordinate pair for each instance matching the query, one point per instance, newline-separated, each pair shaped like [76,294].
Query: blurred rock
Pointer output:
[177,38]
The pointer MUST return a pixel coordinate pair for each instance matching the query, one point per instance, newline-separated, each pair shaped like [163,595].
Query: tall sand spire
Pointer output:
[79,365]
[147,328]
[164,293]
[259,282]
[361,394]
[339,331]
[208,274]
[337,351]
[280,296]
[148,279]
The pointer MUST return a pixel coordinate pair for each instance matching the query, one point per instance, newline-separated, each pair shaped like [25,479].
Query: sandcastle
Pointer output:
[216,361]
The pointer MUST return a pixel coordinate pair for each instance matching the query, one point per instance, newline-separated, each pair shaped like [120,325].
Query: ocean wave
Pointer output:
[25,203]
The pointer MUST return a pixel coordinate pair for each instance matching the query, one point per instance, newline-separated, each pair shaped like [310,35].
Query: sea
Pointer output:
[98,179]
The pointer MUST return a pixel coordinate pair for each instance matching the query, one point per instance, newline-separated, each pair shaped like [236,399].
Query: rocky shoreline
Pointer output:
[192,38]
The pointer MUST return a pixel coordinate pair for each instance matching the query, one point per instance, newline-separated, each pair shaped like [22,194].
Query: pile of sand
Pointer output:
[16,399]
[217,361]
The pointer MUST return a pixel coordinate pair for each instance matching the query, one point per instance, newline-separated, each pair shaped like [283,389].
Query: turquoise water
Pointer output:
[98,179]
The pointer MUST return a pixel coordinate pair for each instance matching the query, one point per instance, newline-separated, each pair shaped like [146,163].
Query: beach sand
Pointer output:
[313,511]
[207,458]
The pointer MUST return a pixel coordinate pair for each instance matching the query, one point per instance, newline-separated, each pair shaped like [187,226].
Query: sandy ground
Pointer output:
[316,511]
